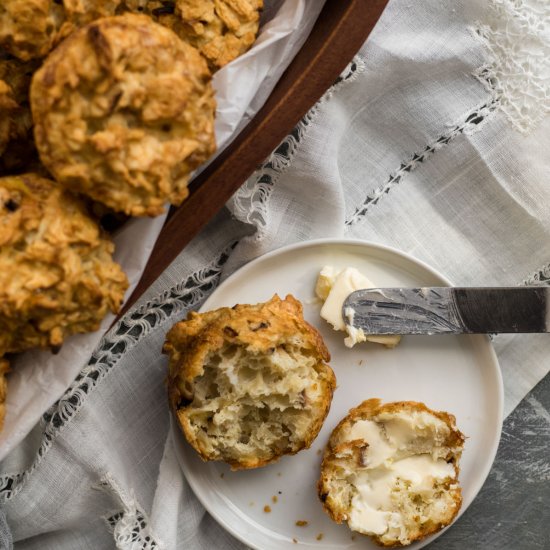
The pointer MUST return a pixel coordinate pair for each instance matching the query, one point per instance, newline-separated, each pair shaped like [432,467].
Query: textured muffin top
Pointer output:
[29,29]
[57,276]
[123,112]
[220,29]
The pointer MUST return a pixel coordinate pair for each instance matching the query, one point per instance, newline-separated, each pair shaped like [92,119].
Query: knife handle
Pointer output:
[524,309]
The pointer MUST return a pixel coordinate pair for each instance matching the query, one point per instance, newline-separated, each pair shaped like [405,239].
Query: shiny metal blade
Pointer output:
[448,310]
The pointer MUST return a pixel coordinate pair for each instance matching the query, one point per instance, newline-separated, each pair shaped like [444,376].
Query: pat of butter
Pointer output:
[325,281]
[345,282]
[334,286]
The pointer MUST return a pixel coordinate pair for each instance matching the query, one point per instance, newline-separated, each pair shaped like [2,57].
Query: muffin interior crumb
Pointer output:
[254,405]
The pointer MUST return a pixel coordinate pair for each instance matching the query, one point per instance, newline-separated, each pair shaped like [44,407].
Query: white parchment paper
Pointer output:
[39,378]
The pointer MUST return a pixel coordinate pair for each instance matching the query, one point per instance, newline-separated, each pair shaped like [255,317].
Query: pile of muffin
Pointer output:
[106,106]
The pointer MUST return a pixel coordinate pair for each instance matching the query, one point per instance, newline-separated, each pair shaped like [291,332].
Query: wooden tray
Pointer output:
[341,29]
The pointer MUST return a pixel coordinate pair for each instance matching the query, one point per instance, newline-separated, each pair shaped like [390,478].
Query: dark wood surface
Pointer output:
[341,29]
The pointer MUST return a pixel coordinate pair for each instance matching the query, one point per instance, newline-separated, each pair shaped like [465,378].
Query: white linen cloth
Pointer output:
[434,141]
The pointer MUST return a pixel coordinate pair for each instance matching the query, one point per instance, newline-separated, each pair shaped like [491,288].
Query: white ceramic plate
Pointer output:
[458,374]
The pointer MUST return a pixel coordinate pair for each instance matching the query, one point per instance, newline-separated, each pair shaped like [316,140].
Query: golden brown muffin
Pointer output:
[57,276]
[29,29]
[17,151]
[249,384]
[221,29]
[4,369]
[123,112]
[391,471]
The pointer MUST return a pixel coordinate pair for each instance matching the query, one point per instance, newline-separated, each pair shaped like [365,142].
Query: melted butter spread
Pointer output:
[372,510]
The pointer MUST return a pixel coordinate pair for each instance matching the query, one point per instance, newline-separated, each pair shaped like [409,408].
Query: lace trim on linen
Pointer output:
[127,333]
[518,72]
[130,531]
[129,526]
[250,203]
[471,123]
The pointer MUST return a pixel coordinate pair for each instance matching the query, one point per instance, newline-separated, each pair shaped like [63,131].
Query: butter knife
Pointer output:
[448,310]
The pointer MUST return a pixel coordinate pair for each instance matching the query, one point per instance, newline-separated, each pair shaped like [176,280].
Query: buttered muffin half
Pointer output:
[391,471]
[249,384]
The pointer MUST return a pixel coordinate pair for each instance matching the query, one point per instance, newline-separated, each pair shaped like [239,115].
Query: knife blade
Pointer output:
[448,310]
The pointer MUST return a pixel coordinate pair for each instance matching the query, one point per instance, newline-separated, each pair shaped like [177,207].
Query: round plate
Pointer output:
[457,374]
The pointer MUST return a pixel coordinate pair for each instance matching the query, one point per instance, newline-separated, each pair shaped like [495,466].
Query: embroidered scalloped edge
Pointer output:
[250,202]
[124,336]
[471,123]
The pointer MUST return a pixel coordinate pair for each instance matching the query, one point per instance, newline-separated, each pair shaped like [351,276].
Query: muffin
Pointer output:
[249,384]
[57,275]
[29,29]
[123,112]
[391,471]
[221,30]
